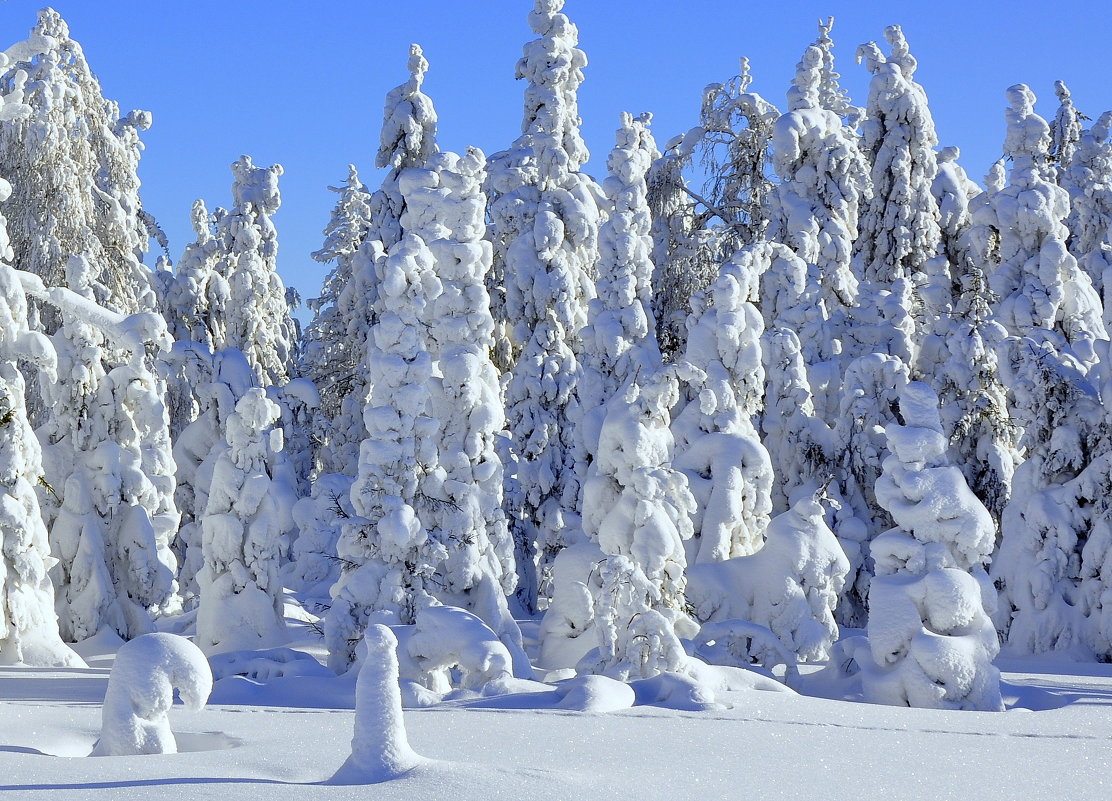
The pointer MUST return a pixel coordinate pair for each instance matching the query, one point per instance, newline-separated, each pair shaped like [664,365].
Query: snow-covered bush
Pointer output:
[380,749]
[146,673]
[241,595]
[447,638]
[790,586]
[930,636]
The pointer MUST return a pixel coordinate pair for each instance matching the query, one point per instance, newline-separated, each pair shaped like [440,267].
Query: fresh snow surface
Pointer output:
[286,736]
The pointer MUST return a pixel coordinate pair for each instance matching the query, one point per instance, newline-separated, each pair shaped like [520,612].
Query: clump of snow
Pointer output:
[140,693]
[446,637]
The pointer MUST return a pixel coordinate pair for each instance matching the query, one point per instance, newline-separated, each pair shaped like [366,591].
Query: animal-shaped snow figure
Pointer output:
[141,691]
[380,750]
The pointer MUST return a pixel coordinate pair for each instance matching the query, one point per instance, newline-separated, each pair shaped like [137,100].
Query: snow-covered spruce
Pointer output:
[1038,281]
[1088,179]
[146,673]
[899,228]
[240,595]
[108,492]
[790,586]
[28,623]
[800,441]
[333,350]
[388,557]
[870,390]
[380,749]
[319,518]
[460,494]
[257,313]
[984,441]
[1056,497]
[638,509]
[1065,131]
[717,447]
[930,638]
[545,226]
[824,181]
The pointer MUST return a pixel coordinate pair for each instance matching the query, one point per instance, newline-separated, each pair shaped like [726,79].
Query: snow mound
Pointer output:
[264,665]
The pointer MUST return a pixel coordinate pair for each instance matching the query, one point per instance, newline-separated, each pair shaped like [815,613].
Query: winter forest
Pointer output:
[769,422]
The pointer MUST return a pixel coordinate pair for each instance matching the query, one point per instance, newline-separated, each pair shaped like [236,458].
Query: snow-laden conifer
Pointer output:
[240,594]
[869,394]
[108,493]
[28,623]
[258,314]
[1065,130]
[717,446]
[814,209]
[1088,179]
[545,227]
[334,347]
[899,228]
[1038,281]
[462,496]
[930,636]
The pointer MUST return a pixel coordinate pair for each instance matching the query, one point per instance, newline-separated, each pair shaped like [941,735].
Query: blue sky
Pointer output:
[302,84]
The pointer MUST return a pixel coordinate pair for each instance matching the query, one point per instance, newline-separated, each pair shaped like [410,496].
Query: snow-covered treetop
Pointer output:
[257,186]
[831,95]
[408,136]
[553,65]
[1065,131]
[805,91]
[1028,139]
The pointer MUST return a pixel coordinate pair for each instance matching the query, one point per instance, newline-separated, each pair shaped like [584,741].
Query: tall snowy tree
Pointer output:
[1088,178]
[240,595]
[28,623]
[545,226]
[335,340]
[930,636]
[899,228]
[258,314]
[108,494]
[814,209]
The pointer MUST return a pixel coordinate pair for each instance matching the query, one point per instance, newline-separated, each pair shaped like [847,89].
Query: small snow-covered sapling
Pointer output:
[380,749]
[140,693]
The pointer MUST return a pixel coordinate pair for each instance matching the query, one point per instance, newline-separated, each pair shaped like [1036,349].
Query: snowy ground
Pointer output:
[291,734]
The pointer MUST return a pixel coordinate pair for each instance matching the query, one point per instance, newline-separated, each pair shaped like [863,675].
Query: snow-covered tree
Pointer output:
[899,227]
[108,492]
[241,599]
[814,209]
[638,509]
[545,227]
[462,496]
[1038,281]
[334,347]
[258,313]
[1038,566]
[28,623]
[71,159]
[797,441]
[791,586]
[930,636]
[1065,131]
[870,391]
[717,446]
[1088,179]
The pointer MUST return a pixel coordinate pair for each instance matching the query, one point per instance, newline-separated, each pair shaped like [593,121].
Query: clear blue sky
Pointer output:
[302,83]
